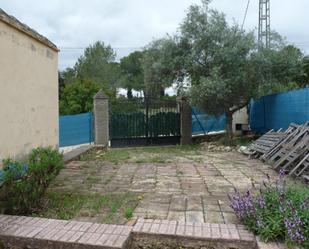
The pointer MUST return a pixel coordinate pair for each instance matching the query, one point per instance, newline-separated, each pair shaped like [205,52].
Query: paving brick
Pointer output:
[58,235]
[3,218]
[35,231]
[93,228]
[234,234]
[26,220]
[111,239]
[93,238]
[194,216]
[76,225]
[138,226]
[180,230]
[215,232]
[146,227]
[206,231]
[126,230]
[163,228]
[67,235]
[26,230]
[198,231]
[118,230]
[171,228]
[75,237]
[47,233]
[110,229]
[189,230]
[102,228]
[101,241]
[155,228]
[85,226]
[120,241]
[225,234]
[85,237]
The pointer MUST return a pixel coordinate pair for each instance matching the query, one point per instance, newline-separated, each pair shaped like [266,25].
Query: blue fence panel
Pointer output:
[204,123]
[76,129]
[279,110]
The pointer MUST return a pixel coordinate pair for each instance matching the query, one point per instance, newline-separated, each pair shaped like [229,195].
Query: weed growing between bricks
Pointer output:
[275,211]
[108,208]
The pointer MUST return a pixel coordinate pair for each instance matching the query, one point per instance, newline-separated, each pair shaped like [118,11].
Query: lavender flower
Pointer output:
[261,201]
[294,229]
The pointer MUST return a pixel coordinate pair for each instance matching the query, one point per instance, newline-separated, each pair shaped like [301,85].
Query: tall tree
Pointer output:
[98,64]
[303,77]
[278,68]
[216,57]
[132,73]
[160,65]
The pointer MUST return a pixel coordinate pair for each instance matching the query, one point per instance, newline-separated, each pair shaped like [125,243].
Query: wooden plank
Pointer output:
[293,129]
[304,164]
[289,144]
[292,155]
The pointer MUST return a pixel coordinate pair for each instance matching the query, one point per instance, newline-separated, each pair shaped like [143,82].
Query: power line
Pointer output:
[246,13]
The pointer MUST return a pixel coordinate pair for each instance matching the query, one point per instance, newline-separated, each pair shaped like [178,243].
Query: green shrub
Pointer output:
[24,184]
[276,211]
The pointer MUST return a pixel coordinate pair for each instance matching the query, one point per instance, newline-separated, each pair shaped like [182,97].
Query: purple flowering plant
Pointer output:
[275,211]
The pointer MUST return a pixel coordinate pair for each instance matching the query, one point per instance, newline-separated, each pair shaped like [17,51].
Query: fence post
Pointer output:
[185,120]
[101,118]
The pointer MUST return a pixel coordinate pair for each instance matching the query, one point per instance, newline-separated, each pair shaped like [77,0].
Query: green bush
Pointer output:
[24,183]
[275,211]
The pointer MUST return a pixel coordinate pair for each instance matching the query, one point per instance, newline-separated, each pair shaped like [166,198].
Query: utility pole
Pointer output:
[264,24]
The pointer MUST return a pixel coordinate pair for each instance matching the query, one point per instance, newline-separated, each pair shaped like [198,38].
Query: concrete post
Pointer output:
[101,119]
[185,121]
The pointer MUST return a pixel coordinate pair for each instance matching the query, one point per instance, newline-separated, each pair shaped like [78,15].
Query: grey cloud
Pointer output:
[131,24]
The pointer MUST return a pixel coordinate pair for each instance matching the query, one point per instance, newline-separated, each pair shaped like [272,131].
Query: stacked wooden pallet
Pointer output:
[286,150]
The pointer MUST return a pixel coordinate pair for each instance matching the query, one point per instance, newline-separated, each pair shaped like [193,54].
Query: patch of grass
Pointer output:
[168,149]
[236,141]
[128,213]
[150,154]
[62,206]
[243,141]
[112,208]
[151,159]
[115,156]
[89,155]
[92,179]
[179,173]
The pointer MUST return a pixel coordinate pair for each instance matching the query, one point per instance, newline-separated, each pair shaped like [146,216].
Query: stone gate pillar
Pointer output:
[101,119]
[185,120]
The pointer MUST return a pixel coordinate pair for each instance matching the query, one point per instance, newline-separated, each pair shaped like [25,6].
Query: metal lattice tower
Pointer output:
[264,23]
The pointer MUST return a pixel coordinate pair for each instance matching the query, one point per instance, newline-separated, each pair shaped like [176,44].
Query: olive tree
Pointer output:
[217,60]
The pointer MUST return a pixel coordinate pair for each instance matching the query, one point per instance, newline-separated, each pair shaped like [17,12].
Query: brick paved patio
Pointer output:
[189,188]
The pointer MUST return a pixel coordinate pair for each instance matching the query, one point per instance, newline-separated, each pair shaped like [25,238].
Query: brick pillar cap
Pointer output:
[100,95]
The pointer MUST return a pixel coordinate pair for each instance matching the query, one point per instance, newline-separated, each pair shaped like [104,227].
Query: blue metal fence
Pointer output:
[279,110]
[203,123]
[76,129]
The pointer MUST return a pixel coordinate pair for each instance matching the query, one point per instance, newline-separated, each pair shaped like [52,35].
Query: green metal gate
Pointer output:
[146,121]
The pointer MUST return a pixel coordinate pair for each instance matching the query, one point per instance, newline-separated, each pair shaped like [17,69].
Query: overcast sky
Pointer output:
[128,25]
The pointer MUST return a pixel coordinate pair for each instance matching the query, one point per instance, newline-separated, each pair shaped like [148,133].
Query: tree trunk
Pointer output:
[162,91]
[129,93]
[229,125]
